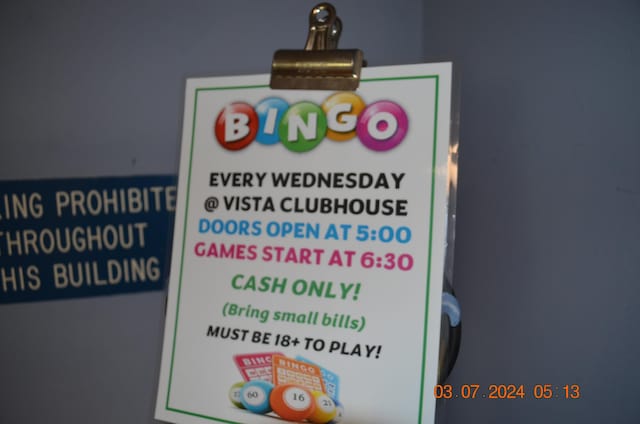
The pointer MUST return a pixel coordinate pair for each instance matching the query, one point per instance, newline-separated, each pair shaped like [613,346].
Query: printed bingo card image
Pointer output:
[308,252]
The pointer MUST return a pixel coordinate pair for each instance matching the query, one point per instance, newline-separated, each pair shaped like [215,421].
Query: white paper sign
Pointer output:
[308,251]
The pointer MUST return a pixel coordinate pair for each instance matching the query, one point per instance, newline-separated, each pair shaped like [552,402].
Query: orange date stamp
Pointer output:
[507,391]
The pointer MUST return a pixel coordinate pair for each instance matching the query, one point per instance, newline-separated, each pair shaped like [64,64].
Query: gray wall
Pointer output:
[548,235]
[547,257]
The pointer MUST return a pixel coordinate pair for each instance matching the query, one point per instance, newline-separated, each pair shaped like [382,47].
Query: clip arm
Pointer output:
[324,28]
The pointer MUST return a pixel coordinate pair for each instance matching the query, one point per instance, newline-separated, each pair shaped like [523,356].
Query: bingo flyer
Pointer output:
[308,251]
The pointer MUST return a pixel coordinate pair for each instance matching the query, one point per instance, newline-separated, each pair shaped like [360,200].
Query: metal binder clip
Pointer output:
[320,66]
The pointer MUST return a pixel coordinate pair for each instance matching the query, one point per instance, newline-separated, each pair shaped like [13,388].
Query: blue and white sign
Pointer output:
[68,238]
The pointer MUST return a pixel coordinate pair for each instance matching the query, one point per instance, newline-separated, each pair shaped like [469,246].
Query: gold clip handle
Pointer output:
[324,28]
[320,66]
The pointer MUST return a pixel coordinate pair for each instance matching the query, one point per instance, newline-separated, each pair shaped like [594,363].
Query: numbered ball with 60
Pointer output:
[254,396]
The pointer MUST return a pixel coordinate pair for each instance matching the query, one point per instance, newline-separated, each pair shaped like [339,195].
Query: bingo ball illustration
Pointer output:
[254,396]
[325,408]
[339,413]
[234,394]
[292,402]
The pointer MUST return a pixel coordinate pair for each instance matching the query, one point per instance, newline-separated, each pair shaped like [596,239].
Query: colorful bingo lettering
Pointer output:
[300,127]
